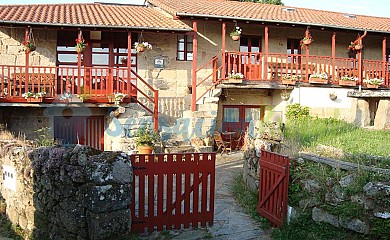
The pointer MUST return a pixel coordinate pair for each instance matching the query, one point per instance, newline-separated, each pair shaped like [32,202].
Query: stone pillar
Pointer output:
[382,117]
[360,112]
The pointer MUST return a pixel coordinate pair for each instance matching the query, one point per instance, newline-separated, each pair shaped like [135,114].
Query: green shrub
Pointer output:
[296,111]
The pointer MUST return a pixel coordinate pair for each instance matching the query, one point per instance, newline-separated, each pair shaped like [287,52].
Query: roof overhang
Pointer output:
[183,14]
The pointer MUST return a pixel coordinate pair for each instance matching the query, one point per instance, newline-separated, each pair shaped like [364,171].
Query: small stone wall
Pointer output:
[72,192]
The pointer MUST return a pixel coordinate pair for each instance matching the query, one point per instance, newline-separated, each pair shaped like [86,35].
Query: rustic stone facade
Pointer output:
[73,192]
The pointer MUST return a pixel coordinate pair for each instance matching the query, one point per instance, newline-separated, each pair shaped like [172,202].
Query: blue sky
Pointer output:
[366,7]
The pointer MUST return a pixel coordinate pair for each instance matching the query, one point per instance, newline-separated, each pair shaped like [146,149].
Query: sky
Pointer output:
[379,8]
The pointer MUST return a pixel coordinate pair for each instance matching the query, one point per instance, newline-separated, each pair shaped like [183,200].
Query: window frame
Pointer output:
[186,43]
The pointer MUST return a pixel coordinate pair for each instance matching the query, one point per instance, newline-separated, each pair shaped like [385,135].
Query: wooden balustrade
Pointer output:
[275,67]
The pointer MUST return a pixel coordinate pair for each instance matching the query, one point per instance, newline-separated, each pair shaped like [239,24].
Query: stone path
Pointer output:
[230,221]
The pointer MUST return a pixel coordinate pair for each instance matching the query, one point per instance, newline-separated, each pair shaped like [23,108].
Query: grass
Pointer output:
[6,228]
[248,200]
[363,145]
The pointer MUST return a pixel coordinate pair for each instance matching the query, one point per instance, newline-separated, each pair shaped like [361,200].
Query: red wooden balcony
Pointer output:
[277,67]
[95,84]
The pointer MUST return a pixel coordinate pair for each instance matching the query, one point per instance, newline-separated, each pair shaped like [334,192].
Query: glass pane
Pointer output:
[231,115]
[244,49]
[67,58]
[255,42]
[189,47]
[252,114]
[180,46]
[189,56]
[100,59]
[255,49]
[180,56]
[64,48]
[101,50]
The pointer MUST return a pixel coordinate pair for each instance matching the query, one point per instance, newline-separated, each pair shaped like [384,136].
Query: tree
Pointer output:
[276,2]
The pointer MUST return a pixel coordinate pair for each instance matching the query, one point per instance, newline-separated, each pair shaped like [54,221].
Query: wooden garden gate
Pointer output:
[172,191]
[273,187]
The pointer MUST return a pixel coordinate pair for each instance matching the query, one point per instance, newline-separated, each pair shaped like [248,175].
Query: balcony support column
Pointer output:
[26,39]
[86,88]
[223,73]
[334,78]
[266,51]
[194,64]
[384,72]
[129,45]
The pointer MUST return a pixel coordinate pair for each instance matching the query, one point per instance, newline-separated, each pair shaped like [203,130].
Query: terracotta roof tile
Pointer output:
[91,15]
[266,12]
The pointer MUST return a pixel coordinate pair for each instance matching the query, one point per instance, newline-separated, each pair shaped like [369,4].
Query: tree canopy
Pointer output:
[276,2]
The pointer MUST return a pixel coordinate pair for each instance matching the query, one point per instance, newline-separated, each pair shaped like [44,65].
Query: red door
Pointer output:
[251,61]
[80,129]
[236,118]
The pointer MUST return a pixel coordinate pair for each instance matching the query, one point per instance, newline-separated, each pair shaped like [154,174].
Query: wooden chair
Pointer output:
[221,144]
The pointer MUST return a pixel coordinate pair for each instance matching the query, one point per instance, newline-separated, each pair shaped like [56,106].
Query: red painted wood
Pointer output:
[175,194]
[194,64]
[273,187]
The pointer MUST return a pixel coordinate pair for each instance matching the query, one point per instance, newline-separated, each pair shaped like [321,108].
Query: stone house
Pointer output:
[182,86]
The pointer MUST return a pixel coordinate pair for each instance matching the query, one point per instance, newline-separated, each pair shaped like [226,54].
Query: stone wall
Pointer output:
[11,45]
[72,192]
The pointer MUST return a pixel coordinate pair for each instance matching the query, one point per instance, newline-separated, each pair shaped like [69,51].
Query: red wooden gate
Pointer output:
[273,187]
[171,190]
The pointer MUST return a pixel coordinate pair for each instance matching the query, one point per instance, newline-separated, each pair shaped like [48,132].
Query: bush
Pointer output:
[296,111]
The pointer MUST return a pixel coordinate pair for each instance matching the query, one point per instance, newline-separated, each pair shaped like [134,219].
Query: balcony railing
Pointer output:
[275,67]
[93,84]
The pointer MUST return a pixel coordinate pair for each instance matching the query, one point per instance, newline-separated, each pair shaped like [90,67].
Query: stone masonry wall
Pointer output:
[11,43]
[72,192]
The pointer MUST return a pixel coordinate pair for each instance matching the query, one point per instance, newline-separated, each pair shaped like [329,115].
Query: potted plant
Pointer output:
[116,97]
[145,139]
[307,40]
[373,82]
[34,97]
[333,96]
[28,47]
[141,46]
[235,77]
[318,78]
[80,45]
[289,79]
[354,46]
[285,95]
[348,81]
[236,33]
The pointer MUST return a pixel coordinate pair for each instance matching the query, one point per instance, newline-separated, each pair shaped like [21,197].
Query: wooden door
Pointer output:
[250,46]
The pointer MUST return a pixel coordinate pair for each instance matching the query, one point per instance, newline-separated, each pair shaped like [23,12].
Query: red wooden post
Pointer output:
[129,45]
[334,78]
[384,72]
[80,37]
[266,45]
[194,64]
[223,70]
[26,39]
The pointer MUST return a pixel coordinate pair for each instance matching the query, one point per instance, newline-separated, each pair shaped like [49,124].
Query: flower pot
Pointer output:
[236,38]
[34,100]
[318,80]
[288,82]
[79,49]
[332,97]
[145,149]
[32,48]
[358,47]
[285,96]
[234,80]
[140,48]
[372,86]
[306,42]
[347,83]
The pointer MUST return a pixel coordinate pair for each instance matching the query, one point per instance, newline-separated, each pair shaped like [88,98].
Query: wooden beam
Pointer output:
[26,39]
[334,79]
[223,50]
[266,51]
[194,64]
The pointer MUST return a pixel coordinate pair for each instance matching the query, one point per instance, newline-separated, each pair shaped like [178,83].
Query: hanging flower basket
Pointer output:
[140,49]
[142,46]
[28,47]
[358,47]
[236,38]
[80,45]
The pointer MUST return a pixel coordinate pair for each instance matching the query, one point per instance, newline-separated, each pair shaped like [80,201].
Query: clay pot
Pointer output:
[145,149]
[236,38]
[307,41]
[79,49]
[358,47]
[140,48]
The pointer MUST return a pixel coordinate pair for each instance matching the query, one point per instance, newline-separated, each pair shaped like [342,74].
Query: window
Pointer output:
[184,47]
[293,47]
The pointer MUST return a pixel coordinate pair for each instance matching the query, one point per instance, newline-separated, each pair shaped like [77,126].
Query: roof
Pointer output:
[271,13]
[91,15]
